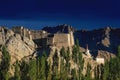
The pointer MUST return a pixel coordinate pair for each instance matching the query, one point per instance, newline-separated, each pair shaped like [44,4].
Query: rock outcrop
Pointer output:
[106,55]
[59,29]
[18,46]
[102,43]
[73,65]
[105,39]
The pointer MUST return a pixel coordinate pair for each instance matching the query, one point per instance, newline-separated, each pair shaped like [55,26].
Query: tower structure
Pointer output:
[71,38]
[87,52]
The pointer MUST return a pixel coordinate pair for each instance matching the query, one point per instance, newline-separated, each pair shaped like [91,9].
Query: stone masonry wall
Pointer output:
[71,38]
[61,40]
[22,31]
[58,39]
[32,34]
[38,34]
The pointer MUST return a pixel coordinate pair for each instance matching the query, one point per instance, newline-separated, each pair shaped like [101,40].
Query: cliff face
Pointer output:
[18,46]
[100,40]
[106,39]
[102,43]
[73,65]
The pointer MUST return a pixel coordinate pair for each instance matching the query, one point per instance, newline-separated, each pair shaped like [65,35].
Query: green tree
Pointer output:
[80,63]
[111,69]
[5,64]
[67,65]
[74,54]
[24,69]
[106,71]
[77,42]
[43,63]
[63,71]
[55,74]
[17,71]
[74,75]
[48,72]
[63,53]
[118,55]
[77,58]
[32,70]
[38,67]
[68,55]
[88,73]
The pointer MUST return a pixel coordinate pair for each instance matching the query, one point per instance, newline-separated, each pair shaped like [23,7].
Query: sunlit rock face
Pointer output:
[17,46]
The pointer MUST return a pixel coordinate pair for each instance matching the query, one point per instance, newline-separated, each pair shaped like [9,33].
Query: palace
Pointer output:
[43,38]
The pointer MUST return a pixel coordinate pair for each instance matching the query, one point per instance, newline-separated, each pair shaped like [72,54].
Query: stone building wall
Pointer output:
[22,31]
[71,38]
[38,34]
[17,30]
[61,40]
[50,41]
[100,60]
[41,37]
[32,34]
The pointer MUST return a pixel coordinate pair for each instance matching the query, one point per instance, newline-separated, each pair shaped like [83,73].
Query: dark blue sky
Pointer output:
[78,13]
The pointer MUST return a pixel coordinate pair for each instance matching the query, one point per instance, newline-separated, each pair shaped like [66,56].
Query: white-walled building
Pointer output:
[100,60]
[87,52]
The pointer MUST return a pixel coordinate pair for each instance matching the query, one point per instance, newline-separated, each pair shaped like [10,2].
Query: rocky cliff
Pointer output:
[100,41]
[18,46]
[106,39]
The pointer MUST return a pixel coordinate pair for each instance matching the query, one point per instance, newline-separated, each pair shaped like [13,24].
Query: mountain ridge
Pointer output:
[106,39]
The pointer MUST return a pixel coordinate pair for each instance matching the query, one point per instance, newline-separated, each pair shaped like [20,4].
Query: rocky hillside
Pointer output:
[19,47]
[100,41]
[106,39]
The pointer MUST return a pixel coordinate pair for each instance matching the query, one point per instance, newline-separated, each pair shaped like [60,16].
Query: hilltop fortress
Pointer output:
[20,45]
[44,38]
[102,42]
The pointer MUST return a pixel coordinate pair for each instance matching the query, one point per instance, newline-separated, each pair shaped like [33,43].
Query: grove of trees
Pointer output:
[40,69]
